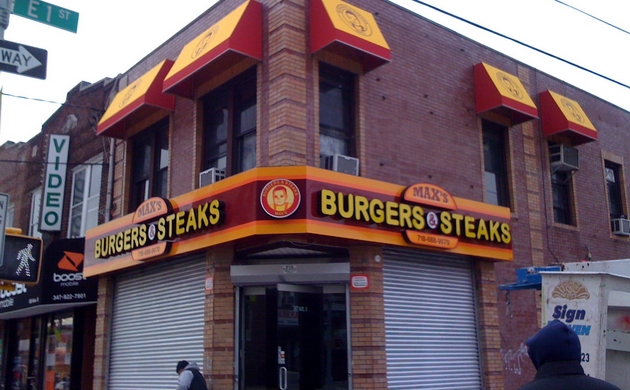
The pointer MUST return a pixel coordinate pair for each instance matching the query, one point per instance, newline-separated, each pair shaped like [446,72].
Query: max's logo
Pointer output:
[71,261]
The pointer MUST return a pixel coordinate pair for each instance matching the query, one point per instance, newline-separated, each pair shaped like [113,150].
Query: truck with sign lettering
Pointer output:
[593,298]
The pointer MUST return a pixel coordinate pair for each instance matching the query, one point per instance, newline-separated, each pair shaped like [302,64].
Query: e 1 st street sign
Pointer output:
[47,13]
[24,60]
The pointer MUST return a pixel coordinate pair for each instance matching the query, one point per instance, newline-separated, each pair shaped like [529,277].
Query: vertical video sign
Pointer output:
[54,183]
[4,205]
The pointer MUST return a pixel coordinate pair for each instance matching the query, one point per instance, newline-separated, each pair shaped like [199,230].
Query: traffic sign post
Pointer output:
[4,206]
[47,13]
[22,59]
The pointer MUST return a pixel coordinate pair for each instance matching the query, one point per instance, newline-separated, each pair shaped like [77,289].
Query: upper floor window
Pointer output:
[10,215]
[229,137]
[562,192]
[614,189]
[86,189]
[36,207]
[336,112]
[495,163]
[149,164]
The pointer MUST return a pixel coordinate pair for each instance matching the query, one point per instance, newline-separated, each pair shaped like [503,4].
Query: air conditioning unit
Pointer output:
[343,164]
[210,176]
[620,226]
[563,158]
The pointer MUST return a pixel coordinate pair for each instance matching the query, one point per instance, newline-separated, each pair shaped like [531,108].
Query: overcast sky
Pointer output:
[112,38]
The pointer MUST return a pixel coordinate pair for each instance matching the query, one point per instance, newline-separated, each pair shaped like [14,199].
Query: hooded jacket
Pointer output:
[556,352]
[191,379]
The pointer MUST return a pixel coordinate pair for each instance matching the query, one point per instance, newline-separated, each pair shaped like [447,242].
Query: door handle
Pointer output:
[282,378]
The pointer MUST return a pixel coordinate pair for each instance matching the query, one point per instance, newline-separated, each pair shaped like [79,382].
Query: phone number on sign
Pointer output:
[69,297]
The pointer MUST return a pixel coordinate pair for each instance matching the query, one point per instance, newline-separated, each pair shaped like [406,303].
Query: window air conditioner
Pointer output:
[210,176]
[620,226]
[343,164]
[563,158]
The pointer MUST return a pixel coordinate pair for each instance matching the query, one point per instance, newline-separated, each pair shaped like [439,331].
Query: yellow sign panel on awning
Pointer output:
[354,21]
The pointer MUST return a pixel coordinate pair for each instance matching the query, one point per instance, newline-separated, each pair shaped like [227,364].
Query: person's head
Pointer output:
[555,342]
[181,365]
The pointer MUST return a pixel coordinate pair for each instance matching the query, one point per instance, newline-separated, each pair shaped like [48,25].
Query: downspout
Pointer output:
[110,182]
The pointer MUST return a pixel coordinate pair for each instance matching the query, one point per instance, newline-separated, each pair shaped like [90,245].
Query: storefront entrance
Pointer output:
[294,336]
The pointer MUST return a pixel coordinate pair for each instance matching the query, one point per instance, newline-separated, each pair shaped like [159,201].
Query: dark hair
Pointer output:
[181,365]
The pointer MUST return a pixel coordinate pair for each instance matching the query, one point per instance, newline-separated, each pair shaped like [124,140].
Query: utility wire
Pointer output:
[521,43]
[50,101]
[594,17]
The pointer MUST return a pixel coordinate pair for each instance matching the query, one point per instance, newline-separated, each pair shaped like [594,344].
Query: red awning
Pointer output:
[564,118]
[501,93]
[349,31]
[139,99]
[236,36]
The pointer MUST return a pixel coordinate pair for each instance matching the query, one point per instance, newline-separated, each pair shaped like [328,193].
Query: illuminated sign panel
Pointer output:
[305,201]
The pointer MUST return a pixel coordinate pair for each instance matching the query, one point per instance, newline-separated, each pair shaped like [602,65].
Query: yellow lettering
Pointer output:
[507,234]
[142,235]
[469,226]
[446,225]
[161,229]
[376,211]
[202,218]
[482,230]
[391,212]
[170,218]
[327,203]
[179,223]
[192,221]
[405,215]
[97,249]
[418,217]
[119,242]
[494,231]
[349,211]
[458,220]
[361,208]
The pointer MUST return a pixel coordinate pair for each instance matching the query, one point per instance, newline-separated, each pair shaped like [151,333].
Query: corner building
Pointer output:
[327,194]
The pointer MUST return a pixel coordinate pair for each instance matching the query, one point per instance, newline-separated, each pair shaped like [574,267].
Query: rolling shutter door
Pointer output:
[157,320]
[430,321]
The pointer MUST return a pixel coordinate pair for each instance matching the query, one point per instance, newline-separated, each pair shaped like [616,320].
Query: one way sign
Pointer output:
[24,60]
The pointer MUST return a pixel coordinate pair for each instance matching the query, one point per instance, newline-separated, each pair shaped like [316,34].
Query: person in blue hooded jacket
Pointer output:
[556,353]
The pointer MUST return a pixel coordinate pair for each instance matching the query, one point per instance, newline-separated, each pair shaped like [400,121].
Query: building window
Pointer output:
[229,139]
[86,188]
[613,186]
[36,207]
[10,215]
[495,163]
[150,164]
[336,112]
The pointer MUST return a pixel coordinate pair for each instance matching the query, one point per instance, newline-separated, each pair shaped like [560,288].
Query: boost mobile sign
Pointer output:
[54,183]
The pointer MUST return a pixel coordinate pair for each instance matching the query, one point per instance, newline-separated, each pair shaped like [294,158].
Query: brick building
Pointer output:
[54,182]
[328,194]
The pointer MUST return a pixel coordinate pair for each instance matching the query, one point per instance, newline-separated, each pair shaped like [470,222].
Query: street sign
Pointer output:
[47,13]
[24,60]
[22,259]
[4,206]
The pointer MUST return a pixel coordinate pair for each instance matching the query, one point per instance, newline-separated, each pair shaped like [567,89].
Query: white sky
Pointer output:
[114,35]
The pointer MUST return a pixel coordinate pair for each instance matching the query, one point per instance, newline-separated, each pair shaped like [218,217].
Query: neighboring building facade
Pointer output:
[56,182]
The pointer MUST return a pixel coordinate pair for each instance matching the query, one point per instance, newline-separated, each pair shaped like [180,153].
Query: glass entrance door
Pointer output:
[294,337]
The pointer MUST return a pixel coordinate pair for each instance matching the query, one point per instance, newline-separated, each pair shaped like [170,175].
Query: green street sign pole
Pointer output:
[47,13]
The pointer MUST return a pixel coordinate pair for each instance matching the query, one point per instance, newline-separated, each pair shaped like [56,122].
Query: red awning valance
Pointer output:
[563,118]
[136,101]
[501,93]
[236,36]
[349,31]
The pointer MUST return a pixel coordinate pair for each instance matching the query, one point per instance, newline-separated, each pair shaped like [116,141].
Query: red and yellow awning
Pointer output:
[136,101]
[236,36]
[347,30]
[564,118]
[501,93]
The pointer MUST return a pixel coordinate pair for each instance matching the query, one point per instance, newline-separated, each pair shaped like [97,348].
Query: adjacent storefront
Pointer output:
[48,341]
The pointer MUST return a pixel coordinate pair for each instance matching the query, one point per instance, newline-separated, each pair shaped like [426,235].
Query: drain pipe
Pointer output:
[110,182]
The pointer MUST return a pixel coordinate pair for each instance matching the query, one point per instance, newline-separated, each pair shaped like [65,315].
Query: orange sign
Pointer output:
[430,195]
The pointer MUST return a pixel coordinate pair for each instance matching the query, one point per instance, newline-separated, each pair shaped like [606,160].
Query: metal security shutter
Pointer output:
[157,320]
[430,321]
